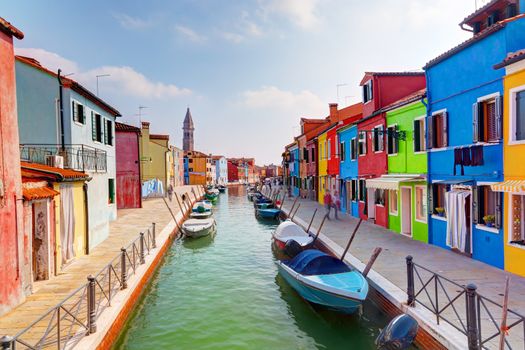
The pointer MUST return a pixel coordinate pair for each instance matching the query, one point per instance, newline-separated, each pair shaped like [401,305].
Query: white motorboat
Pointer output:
[289,230]
[201,215]
[199,227]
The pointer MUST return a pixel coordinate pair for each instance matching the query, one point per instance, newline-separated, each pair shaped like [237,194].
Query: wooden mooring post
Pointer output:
[372,260]
[293,215]
[173,215]
[311,221]
[351,239]
[293,205]
[319,229]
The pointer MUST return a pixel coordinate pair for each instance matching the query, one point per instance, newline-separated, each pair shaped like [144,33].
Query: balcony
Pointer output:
[76,157]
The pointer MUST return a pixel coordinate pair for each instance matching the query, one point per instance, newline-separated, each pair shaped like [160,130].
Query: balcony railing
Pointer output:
[76,157]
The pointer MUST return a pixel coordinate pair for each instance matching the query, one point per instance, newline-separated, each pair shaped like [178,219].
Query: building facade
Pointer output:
[155,158]
[127,143]
[348,169]
[221,167]
[178,166]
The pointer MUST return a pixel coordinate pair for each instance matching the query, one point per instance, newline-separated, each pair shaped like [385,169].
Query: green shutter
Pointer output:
[111,190]
[93,127]
[106,138]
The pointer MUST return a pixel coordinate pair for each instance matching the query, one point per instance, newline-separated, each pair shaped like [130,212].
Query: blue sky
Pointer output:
[248,69]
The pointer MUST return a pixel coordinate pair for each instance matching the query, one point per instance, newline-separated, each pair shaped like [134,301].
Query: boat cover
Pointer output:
[314,262]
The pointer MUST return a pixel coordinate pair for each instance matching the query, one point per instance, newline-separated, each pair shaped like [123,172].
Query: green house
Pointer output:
[407,166]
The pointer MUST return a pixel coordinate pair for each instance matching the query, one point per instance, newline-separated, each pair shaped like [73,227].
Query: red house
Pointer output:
[128,166]
[15,259]
[379,91]
[233,172]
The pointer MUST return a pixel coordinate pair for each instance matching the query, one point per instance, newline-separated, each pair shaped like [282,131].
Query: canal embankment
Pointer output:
[440,278]
[57,314]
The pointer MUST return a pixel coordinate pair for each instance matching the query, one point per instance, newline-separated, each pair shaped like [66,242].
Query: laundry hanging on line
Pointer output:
[468,156]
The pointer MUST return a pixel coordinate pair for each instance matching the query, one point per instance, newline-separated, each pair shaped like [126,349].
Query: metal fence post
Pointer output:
[91,311]
[123,269]
[153,238]
[6,342]
[411,297]
[472,319]
[141,248]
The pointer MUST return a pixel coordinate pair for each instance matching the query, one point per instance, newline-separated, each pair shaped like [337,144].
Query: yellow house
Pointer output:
[154,156]
[514,166]
[322,165]
[199,168]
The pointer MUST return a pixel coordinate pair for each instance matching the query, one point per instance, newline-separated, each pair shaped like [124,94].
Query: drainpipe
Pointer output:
[86,211]
[61,109]
[429,181]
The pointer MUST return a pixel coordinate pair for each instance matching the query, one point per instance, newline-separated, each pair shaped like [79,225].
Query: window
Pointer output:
[362,143]
[367,91]
[111,191]
[108,132]
[380,197]
[438,199]
[342,151]
[486,120]
[354,190]
[519,116]
[313,154]
[392,141]
[328,150]
[190,169]
[421,203]
[392,199]
[78,112]
[486,206]
[190,160]
[419,138]
[96,127]
[378,139]
[362,190]
[305,154]
[517,219]
[438,131]
[353,149]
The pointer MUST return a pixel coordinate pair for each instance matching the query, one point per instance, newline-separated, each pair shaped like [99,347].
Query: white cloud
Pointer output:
[190,34]
[273,98]
[50,60]
[243,30]
[233,37]
[132,23]
[301,12]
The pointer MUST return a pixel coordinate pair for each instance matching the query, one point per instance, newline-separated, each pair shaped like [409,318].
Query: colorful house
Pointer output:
[75,131]
[233,172]
[221,168]
[294,169]
[322,165]
[407,166]
[199,168]
[15,278]
[465,132]
[311,169]
[348,169]
[379,90]
[513,187]
[178,166]
[127,140]
[155,158]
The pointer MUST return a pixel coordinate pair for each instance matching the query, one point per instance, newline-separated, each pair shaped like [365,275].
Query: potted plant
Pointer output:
[489,220]
[440,211]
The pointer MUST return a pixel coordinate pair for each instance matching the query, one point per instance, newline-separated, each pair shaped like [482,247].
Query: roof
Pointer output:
[188,120]
[511,58]
[415,96]
[30,194]
[196,154]
[217,157]
[70,83]
[485,8]
[58,174]
[477,37]
[390,74]
[10,29]
[126,127]
[159,137]
[312,120]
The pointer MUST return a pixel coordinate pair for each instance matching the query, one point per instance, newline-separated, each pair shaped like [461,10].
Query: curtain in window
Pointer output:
[67,222]
[456,219]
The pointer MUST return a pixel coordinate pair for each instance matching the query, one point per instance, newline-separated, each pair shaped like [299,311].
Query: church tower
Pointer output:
[187,139]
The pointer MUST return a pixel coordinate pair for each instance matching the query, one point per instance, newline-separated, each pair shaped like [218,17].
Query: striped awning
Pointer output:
[509,186]
[389,182]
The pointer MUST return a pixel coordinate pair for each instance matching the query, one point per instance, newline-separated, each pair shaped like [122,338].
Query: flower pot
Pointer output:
[489,224]
[442,214]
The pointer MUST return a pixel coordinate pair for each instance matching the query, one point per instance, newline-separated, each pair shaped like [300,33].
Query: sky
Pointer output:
[248,69]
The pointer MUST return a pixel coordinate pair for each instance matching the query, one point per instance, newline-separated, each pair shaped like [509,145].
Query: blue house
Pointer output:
[294,169]
[464,134]
[186,171]
[348,169]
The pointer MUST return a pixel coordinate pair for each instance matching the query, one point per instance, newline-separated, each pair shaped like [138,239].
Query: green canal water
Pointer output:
[225,293]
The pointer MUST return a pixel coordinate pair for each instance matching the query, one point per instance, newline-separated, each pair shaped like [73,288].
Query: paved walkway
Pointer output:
[125,229]
[391,264]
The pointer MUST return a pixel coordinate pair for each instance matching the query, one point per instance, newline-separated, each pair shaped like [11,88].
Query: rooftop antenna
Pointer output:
[338,86]
[140,113]
[101,76]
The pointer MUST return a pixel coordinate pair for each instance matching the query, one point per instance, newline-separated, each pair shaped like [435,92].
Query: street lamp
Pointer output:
[100,76]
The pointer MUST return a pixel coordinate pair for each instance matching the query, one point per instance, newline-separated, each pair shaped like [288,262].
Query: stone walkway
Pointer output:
[391,264]
[126,228]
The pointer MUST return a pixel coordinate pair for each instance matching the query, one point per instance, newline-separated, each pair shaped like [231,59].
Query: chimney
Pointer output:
[145,125]
[333,112]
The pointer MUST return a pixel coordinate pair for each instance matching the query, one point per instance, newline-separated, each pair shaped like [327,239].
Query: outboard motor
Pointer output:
[292,248]
[399,334]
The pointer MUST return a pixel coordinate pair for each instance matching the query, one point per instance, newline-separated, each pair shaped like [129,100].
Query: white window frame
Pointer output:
[512,114]
[390,197]
[424,119]
[441,111]
[370,89]
[424,200]
[386,146]
[356,151]
[364,140]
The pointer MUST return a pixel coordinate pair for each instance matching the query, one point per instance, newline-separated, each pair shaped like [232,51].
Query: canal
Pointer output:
[225,293]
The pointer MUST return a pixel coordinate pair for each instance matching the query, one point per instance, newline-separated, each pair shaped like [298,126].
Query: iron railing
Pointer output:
[67,323]
[462,307]
[76,157]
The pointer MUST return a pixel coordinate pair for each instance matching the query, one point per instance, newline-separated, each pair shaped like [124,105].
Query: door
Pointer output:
[371,202]
[41,251]
[406,211]
[348,200]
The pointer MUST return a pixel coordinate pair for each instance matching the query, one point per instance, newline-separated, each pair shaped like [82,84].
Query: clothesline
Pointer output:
[468,156]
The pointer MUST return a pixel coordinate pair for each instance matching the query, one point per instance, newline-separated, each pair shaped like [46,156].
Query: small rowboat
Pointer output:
[325,280]
[201,206]
[211,196]
[222,189]
[199,227]
[266,211]
[201,215]
[288,231]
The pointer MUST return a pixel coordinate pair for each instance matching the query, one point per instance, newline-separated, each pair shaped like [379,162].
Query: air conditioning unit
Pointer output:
[55,161]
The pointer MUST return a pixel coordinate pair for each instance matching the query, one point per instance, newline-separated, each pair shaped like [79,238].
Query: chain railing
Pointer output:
[462,307]
[64,325]
[77,157]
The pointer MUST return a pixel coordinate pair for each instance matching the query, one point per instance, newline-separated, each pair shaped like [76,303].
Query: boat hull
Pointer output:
[195,232]
[267,213]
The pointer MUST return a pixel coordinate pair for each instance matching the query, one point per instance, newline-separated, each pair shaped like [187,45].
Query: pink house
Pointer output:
[128,166]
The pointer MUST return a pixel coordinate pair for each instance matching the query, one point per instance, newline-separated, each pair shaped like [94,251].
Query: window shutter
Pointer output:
[373,139]
[106,139]
[74,111]
[430,199]
[499,117]
[83,115]
[370,90]
[416,136]
[475,204]
[445,129]
[475,122]
[497,221]
[430,129]
[93,127]
[396,139]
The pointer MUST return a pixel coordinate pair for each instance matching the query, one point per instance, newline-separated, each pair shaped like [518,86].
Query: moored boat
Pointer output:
[267,211]
[325,280]
[201,214]
[288,231]
[198,227]
[201,206]
[222,188]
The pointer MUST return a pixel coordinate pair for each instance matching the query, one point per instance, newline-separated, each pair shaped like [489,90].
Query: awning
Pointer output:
[31,194]
[389,182]
[509,186]
[453,181]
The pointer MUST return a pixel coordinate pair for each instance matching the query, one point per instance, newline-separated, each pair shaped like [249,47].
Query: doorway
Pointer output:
[371,202]
[406,211]
[41,240]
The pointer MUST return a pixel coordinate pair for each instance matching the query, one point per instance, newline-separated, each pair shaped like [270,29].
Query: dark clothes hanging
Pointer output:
[476,155]
[466,156]
[458,160]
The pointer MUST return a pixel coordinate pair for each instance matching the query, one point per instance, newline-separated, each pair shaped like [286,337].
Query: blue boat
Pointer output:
[266,211]
[325,280]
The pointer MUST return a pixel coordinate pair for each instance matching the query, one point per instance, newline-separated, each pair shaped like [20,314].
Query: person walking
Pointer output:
[170,192]
[336,204]
[328,203]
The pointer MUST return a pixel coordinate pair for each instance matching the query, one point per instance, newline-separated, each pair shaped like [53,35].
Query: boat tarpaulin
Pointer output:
[390,182]
[314,262]
[509,186]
